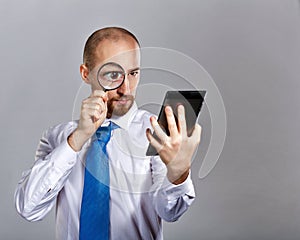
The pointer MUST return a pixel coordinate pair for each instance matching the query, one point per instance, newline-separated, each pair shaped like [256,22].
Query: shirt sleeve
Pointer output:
[38,188]
[170,200]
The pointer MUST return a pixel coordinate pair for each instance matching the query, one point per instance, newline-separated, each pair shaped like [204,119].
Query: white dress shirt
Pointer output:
[140,193]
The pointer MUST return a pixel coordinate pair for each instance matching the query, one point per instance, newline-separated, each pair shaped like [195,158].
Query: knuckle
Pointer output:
[99,100]
[97,106]
[160,150]
[172,125]
[166,141]
[176,142]
[96,112]
[181,119]
[84,105]
[86,100]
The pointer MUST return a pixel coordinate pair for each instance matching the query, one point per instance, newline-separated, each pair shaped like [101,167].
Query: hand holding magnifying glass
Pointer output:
[110,76]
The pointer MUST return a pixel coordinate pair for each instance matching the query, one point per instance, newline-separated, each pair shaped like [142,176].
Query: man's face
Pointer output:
[126,53]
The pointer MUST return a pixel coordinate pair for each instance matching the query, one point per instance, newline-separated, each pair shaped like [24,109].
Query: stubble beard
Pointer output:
[114,107]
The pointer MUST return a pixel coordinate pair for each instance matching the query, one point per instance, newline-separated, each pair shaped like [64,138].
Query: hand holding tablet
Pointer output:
[192,102]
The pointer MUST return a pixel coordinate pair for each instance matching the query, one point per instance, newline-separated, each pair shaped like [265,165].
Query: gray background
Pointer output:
[250,48]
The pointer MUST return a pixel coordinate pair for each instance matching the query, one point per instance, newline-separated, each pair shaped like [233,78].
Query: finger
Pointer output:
[94,99]
[95,102]
[99,93]
[162,136]
[93,114]
[172,126]
[196,134]
[181,120]
[152,140]
[97,105]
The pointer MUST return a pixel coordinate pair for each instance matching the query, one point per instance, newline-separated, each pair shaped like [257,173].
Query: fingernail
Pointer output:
[168,108]
[153,121]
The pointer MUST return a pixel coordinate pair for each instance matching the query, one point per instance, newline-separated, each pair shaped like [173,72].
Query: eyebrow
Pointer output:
[133,69]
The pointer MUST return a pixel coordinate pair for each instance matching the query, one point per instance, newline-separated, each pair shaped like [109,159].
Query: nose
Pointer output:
[124,89]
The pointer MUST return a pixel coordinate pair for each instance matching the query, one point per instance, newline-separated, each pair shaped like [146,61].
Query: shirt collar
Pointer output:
[123,121]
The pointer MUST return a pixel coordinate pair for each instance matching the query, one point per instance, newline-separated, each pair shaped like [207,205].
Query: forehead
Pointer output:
[125,52]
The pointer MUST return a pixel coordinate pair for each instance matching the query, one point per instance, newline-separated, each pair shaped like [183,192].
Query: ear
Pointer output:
[84,72]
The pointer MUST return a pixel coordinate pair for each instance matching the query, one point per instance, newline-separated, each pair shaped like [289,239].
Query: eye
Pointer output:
[113,76]
[134,73]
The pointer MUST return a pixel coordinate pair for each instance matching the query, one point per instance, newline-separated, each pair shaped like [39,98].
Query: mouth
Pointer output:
[122,101]
[120,105]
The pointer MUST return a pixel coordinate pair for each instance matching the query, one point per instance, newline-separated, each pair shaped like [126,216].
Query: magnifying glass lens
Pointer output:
[111,76]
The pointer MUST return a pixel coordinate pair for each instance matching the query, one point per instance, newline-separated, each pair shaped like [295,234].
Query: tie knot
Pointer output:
[103,133]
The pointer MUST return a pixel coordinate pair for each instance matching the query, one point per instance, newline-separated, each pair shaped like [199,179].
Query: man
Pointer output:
[142,190]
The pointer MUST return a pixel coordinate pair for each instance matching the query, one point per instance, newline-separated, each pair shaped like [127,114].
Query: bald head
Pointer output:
[114,34]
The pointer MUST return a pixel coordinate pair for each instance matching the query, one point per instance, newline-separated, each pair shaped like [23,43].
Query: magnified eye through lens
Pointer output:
[111,76]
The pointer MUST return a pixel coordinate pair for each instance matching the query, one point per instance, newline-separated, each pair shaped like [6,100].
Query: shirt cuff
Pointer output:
[172,191]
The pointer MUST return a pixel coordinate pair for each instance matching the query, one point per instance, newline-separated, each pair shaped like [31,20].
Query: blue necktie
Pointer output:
[94,216]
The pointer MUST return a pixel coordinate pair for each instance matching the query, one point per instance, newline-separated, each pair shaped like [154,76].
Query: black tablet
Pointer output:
[192,102]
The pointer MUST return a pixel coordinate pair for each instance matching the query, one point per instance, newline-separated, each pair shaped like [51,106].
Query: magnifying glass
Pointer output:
[110,76]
